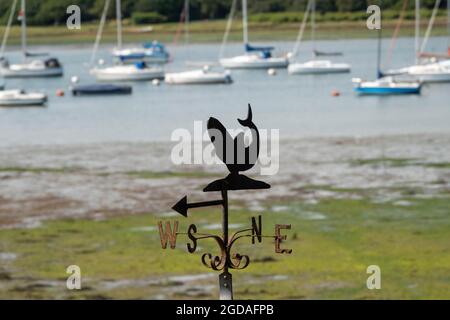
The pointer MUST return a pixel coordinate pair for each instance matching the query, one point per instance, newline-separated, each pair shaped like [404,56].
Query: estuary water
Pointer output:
[300,106]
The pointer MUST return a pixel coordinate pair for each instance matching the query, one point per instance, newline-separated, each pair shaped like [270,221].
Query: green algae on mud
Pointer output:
[121,257]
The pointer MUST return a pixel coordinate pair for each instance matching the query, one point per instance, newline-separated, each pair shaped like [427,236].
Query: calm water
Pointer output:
[297,105]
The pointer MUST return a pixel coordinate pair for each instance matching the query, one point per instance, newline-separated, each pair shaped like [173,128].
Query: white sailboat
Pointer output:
[18,97]
[198,76]
[134,72]
[428,71]
[255,57]
[50,67]
[313,66]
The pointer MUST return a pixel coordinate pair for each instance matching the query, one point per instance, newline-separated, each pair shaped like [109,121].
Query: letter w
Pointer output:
[168,234]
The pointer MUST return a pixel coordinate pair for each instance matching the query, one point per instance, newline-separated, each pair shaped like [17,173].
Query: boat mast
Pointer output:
[119,24]
[448,26]
[8,28]
[379,73]
[186,22]
[417,32]
[302,29]
[24,28]
[228,28]
[98,38]
[313,24]
[244,21]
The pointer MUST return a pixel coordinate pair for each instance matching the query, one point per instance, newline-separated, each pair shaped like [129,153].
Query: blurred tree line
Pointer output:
[53,12]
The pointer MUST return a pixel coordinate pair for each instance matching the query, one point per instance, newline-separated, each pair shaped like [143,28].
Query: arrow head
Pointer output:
[181,206]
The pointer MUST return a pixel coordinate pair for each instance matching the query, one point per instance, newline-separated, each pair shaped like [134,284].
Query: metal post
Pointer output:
[225,278]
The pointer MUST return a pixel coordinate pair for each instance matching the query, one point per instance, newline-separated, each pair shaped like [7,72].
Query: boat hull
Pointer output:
[386,91]
[437,77]
[31,73]
[300,69]
[198,77]
[22,99]
[101,89]
[262,63]
[108,74]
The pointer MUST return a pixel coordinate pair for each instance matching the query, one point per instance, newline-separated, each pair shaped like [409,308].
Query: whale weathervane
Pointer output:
[238,158]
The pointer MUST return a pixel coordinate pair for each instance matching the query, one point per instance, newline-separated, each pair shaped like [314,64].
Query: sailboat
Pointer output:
[314,66]
[385,85]
[152,52]
[254,57]
[199,76]
[429,71]
[121,72]
[50,67]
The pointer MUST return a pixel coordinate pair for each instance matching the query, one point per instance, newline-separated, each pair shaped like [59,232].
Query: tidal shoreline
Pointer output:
[103,180]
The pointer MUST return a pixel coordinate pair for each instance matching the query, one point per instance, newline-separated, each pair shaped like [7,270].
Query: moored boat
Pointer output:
[35,68]
[385,86]
[50,67]
[16,97]
[318,67]
[314,66]
[100,89]
[254,57]
[137,72]
[153,52]
[203,76]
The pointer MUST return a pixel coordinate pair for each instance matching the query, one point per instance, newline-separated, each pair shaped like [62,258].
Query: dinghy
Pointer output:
[19,98]
[198,76]
[35,68]
[100,89]
[314,66]
[137,72]
[254,57]
[153,52]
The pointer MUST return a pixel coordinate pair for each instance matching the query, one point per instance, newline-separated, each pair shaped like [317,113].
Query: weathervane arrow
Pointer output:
[183,206]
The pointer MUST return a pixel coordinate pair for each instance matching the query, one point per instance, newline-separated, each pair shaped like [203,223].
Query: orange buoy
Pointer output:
[335,93]
[60,93]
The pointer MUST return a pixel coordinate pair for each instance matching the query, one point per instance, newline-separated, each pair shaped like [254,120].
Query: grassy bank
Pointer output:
[212,31]
[333,242]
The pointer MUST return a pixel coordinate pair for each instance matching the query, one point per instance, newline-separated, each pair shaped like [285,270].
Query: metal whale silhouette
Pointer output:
[235,155]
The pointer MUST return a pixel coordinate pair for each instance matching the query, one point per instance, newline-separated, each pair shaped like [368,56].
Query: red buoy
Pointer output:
[60,93]
[335,93]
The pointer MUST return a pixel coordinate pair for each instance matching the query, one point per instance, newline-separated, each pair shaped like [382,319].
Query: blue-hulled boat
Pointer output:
[385,85]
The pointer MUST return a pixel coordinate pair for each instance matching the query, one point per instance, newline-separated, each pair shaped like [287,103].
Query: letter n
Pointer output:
[256,229]
[168,234]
